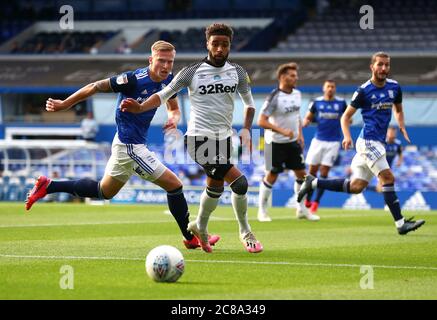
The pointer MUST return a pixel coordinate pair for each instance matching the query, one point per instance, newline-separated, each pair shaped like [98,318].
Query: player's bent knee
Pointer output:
[106,196]
[357,186]
[387,177]
[214,192]
[240,185]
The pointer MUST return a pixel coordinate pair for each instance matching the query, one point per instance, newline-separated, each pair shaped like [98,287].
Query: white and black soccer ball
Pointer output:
[165,264]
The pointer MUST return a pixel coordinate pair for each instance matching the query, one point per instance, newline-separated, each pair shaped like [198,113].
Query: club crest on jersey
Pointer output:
[121,79]
[391,94]
[217,77]
[232,76]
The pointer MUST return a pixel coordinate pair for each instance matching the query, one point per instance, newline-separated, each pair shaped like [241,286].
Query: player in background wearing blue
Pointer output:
[326,111]
[129,152]
[376,98]
[393,147]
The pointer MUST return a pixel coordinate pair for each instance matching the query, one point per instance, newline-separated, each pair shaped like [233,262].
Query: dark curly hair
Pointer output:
[219,29]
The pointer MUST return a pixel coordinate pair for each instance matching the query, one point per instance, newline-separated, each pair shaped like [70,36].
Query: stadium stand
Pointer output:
[63,42]
[407,27]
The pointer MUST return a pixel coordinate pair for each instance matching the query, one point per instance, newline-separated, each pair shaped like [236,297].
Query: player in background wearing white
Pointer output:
[376,98]
[212,84]
[326,111]
[129,152]
[280,116]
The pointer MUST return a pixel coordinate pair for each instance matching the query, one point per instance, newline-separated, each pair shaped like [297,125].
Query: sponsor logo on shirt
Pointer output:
[382,105]
[291,109]
[217,88]
[328,115]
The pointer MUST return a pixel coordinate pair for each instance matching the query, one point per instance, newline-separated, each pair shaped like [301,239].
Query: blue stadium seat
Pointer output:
[110,6]
[286,4]
[211,5]
[253,5]
[78,5]
[146,5]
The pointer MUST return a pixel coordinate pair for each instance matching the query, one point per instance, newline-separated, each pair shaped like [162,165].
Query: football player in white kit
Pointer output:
[212,84]
[130,154]
[280,116]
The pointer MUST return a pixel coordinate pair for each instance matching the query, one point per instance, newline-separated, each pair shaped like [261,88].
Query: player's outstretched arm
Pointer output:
[53,105]
[399,116]
[346,120]
[173,114]
[132,105]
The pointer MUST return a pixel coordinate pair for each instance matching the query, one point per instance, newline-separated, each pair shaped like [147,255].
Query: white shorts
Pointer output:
[369,161]
[322,152]
[128,159]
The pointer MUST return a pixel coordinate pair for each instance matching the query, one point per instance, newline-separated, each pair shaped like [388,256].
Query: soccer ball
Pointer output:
[165,264]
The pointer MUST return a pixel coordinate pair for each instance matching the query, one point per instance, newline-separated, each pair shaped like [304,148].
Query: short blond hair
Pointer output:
[380,54]
[283,68]
[162,45]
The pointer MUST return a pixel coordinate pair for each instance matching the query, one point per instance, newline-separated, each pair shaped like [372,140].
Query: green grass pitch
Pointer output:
[106,247]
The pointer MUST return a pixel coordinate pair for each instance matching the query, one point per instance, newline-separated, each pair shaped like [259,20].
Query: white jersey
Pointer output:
[212,92]
[283,110]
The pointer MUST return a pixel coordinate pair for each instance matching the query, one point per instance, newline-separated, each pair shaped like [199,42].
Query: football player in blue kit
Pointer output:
[326,110]
[129,152]
[393,147]
[376,98]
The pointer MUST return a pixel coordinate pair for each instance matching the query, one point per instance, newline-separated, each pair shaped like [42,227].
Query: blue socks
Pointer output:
[338,185]
[85,188]
[320,191]
[392,201]
[179,209]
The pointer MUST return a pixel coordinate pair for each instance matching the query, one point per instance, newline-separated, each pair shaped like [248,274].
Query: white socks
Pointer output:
[264,195]
[239,204]
[297,187]
[400,223]
[207,206]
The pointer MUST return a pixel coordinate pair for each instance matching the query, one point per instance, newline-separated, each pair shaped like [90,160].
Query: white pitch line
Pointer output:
[95,223]
[291,217]
[307,264]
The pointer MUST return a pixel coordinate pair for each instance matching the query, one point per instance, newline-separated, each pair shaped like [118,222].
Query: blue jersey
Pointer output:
[132,127]
[327,115]
[376,107]
[392,149]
